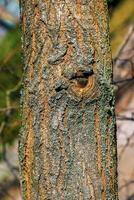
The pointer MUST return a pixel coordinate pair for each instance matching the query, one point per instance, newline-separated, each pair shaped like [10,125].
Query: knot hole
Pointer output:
[83,77]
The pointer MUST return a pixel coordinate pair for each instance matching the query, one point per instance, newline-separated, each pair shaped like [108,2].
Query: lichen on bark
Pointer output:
[68,140]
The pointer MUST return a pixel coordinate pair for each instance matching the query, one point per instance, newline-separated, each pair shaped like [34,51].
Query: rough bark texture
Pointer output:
[68,141]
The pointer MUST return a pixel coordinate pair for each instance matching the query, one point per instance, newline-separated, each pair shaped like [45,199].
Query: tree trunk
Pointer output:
[68,140]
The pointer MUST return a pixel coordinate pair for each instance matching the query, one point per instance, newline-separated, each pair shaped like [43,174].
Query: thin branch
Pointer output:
[2,127]
[9,108]
[126,184]
[125,146]
[125,42]
[4,188]
[124,118]
[123,81]
[9,165]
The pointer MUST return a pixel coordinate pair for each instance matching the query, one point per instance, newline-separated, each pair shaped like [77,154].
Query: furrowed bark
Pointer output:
[68,140]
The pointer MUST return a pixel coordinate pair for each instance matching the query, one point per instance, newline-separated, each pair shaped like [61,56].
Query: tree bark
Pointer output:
[68,140]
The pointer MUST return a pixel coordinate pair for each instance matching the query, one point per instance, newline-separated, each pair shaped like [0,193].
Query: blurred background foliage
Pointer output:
[10,71]
[10,76]
[121,18]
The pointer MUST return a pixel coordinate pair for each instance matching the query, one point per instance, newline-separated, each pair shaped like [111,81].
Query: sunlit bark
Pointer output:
[68,141]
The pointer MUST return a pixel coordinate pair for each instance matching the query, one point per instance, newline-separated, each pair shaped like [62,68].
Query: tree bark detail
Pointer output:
[68,141]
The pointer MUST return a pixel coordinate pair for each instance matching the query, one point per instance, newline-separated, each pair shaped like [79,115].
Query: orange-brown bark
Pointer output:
[67,147]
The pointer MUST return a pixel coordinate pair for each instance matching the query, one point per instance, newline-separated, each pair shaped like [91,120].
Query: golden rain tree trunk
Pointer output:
[68,140]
